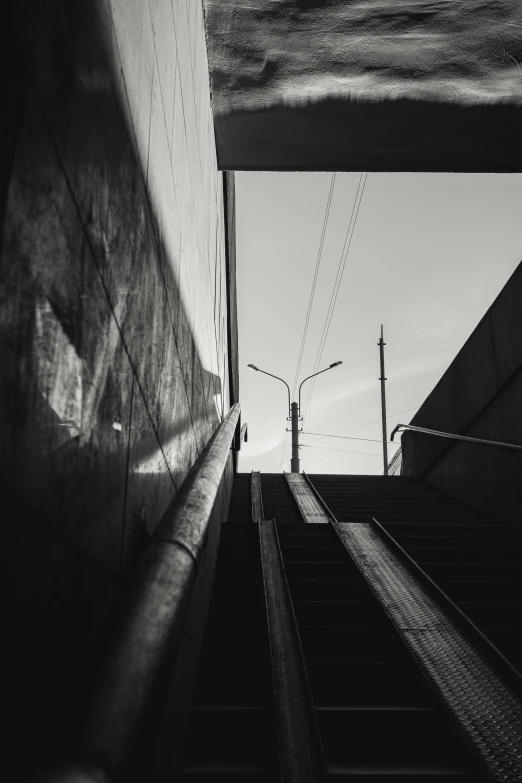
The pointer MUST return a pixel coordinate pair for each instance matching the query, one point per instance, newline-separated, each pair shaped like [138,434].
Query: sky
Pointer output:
[428,255]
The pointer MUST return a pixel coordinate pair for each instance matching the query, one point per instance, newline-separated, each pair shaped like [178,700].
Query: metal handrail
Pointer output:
[240,435]
[152,614]
[299,744]
[244,434]
[395,457]
[455,437]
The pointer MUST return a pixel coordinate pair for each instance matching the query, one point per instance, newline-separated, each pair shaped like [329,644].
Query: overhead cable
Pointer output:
[314,456]
[345,437]
[344,451]
[337,282]
[338,279]
[314,282]
[283,450]
[366,423]
[278,466]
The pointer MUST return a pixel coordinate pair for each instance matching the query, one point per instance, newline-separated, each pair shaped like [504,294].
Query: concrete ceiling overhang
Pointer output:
[373,85]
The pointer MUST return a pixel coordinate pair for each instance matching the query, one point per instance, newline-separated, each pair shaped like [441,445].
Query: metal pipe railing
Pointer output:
[240,435]
[244,434]
[299,745]
[152,615]
[397,457]
[450,435]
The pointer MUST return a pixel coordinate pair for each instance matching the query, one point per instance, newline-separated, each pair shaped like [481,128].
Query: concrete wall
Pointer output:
[113,318]
[337,134]
[479,395]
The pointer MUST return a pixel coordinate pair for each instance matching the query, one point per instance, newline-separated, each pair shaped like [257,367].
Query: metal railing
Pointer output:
[243,435]
[396,459]
[450,435]
[151,616]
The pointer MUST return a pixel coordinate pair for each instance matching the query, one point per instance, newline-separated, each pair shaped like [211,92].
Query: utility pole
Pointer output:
[382,379]
[294,463]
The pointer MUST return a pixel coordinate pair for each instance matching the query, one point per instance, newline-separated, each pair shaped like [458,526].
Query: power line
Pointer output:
[335,435]
[314,456]
[278,466]
[283,450]
[366,423]
[335,289]
[344,451]
[314,282]
[340,272]
[345,437]
[337,284]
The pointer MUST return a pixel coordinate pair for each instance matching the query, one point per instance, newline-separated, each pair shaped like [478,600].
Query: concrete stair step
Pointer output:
[320,540]
[222,773]
[440,555]
[473,572]
[229,735]
[399,773]
[463,590]
[494,615]
[328,589]
[333,569]
[490,542]
[337,613]
[306,554]
[368,683]
[363,643]
[406,737]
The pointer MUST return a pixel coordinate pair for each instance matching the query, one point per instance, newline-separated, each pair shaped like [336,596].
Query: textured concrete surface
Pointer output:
[297,50]
[113,302]
[479,396]
[366,86]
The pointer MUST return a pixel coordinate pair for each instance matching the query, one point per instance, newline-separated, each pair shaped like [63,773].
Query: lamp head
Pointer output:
[253,367]
[335,364]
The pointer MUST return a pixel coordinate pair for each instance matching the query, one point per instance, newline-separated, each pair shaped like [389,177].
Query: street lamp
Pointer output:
[253,367]
[335,364]
[294,411]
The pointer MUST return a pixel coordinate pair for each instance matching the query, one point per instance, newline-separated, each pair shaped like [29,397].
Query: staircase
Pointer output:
[230,733]
[480,569]
[377,718]
[475,561]
[389,499]
[278,501]
[241,499]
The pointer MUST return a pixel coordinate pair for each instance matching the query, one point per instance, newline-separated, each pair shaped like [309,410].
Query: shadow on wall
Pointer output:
[336,134]
[104,402]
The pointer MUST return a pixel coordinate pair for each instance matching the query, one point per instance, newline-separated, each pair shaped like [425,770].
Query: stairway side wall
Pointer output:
[479,395]
[113,315]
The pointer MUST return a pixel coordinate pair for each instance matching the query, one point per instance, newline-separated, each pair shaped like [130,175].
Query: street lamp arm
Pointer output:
[335,364]
[277,379]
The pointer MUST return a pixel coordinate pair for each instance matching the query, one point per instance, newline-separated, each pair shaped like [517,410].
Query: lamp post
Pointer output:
[294,412]
[383,379]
